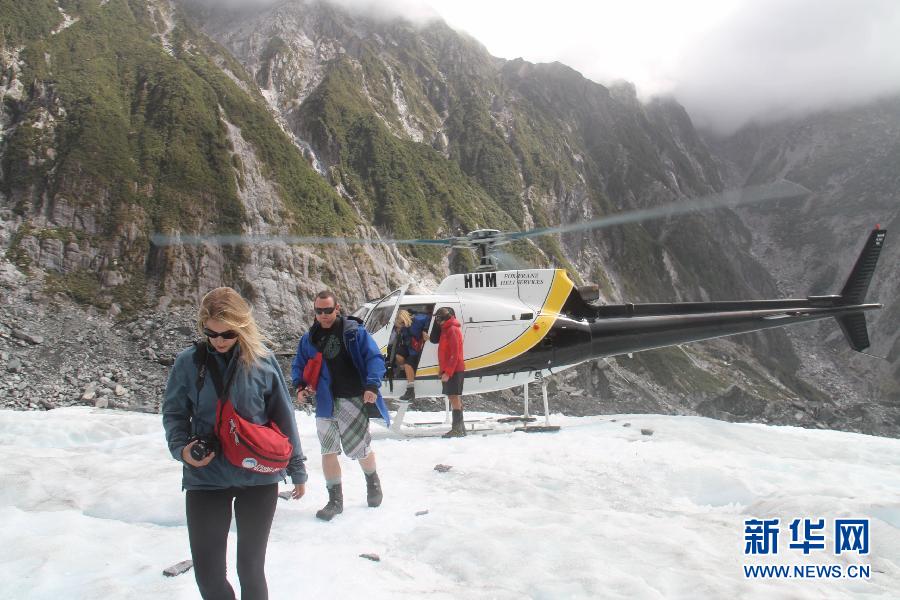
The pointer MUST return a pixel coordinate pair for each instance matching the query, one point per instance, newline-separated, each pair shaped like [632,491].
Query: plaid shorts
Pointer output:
[348,428]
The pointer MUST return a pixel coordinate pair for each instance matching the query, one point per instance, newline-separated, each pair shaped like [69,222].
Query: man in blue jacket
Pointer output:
[349,378]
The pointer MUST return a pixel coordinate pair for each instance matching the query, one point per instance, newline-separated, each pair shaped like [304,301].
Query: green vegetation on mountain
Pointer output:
[674,368]
[405,187]
[483,153]
[134,140]
[263,75]
[22,22]
[314,206]
[138,126]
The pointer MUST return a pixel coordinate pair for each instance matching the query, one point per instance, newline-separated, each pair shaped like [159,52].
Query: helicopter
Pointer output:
[524,325]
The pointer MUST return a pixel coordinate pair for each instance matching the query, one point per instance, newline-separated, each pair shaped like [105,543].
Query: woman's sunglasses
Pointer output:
[225,335]
[325,311]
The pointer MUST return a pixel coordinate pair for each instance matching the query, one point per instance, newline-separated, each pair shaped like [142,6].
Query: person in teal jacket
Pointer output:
[215,487]
[347,382]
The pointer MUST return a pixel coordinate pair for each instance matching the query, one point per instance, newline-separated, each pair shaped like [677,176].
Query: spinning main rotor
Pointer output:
[486,241]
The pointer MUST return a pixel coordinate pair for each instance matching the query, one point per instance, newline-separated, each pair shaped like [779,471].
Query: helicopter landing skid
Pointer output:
[398,426]
[424,433]
[421,428]
[428,429]
[537,428]
[517,420]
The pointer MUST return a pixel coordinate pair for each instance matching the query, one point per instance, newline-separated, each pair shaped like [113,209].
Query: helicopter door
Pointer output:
[380,320]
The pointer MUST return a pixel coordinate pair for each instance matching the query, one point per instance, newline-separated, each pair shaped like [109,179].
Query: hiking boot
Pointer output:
[373,490]
[455,432]
[335,504]
[458,429]
[409,394]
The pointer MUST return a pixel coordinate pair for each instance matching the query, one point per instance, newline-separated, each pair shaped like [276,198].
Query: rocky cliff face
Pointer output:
[848,158]
[123,124]
[131,117]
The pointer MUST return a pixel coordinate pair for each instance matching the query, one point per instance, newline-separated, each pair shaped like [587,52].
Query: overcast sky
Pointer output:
[727,61]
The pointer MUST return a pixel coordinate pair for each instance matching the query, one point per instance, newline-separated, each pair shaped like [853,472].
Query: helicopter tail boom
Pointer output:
[612,336]
[622,328]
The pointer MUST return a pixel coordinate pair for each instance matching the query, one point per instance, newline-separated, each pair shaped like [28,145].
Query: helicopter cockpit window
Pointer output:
[381,314]
[363,311]
[379,318]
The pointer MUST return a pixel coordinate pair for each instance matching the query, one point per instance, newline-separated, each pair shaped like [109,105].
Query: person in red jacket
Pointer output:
[451,366]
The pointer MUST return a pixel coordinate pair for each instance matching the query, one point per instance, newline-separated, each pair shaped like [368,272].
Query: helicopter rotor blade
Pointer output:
[236,239]
[779,190]
[732,198]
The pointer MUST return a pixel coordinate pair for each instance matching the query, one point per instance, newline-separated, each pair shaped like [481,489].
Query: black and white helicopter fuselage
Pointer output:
[524,325]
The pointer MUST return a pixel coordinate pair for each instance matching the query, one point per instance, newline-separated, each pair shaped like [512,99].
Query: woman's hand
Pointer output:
[299,490]
[186,456]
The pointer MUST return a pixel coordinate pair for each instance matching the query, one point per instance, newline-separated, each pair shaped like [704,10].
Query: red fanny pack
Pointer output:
[311,371]
[258,448]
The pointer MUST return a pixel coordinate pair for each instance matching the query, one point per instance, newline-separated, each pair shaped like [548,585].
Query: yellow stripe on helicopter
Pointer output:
[559,292]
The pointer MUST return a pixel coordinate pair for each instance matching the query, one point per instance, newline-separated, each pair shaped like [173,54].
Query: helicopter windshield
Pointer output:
[363,311]
[381,314]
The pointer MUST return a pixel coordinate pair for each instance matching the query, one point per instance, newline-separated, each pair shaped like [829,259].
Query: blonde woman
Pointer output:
[409,336]
[233,351]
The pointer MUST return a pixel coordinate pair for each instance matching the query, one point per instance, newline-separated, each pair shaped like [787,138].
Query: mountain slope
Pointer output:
[128,128]
[848,158]
[145,116]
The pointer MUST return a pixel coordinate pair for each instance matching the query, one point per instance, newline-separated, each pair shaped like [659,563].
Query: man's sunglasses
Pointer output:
[225,335]
[325,311]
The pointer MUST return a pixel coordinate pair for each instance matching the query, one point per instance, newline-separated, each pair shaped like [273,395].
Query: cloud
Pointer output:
[416,11]
[775,59]
[727,61]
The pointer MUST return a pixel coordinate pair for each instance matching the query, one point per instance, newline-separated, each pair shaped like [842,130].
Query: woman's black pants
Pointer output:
[208,521]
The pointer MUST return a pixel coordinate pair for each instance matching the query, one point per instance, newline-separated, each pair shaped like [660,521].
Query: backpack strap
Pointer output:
[205,363]
[222,388]
[201,351]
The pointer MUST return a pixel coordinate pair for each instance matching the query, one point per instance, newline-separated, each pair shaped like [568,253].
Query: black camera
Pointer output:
[205,445]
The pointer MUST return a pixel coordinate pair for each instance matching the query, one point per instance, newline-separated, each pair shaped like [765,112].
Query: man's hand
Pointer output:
[299,490]
[186,456]
[445,378]
[303,395]
[369,397]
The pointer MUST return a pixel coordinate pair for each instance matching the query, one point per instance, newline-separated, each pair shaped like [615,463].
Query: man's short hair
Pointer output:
[325,294]
[444,313]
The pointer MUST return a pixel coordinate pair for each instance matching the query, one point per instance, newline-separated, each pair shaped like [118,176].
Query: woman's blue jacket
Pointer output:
[259,394]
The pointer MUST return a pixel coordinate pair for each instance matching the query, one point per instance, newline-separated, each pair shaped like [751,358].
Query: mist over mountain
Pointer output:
[769,61]
[126,118]
[847,158]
